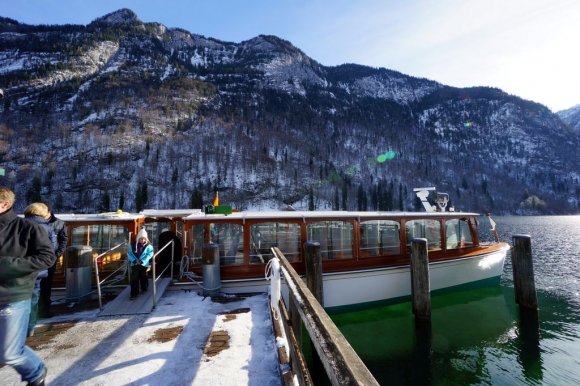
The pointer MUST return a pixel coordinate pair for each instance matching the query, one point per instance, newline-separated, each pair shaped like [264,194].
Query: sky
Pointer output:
[527,48]
[118,351]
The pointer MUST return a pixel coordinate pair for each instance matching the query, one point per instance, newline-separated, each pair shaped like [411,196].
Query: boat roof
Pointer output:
[99,217]
[323,214]
[170,213]
[198,215]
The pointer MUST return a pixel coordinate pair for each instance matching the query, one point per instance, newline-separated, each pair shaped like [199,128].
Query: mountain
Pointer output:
[571,117]
[125,114]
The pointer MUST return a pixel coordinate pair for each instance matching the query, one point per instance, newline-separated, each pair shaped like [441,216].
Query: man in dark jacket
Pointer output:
[24,250]
[46,283]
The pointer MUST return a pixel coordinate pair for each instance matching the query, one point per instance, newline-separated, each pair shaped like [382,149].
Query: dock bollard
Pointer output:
[314,270]
[78,262]
[420,279]
[523,271]
[211,269]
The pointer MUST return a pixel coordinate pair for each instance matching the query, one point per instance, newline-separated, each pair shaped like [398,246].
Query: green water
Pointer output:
[479,336]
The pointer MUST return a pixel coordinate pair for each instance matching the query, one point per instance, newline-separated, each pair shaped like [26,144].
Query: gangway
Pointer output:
[145,302]
[142,304]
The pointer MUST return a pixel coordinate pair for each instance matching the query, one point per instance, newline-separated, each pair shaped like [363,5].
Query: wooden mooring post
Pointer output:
[313,260]
[314,270]
[523,271]
[420,279]
[420,289]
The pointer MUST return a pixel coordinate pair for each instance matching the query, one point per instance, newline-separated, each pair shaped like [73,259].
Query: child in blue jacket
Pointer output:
[140,260]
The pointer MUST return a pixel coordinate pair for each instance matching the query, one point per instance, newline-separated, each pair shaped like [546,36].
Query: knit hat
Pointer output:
[142,234]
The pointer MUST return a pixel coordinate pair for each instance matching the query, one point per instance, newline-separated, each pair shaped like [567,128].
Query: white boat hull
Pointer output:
[374,286]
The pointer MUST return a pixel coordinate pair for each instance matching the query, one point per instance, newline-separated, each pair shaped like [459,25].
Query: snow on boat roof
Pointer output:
[197,214]
[322,214]
[124,216]
[99,217]
[169,212]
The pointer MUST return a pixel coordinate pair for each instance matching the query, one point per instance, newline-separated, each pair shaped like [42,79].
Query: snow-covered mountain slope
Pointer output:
[125,114]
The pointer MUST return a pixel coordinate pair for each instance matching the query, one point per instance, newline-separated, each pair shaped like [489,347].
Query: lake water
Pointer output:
[479,337]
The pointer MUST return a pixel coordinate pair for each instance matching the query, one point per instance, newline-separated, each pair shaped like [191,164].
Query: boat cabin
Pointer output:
[348,240]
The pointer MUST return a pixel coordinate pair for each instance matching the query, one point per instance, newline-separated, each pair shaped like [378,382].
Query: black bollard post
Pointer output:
[211,269]
[420,279]
[523,271]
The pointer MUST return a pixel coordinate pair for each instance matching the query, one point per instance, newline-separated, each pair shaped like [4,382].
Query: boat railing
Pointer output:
[114,277]
[340,361]
[154,273]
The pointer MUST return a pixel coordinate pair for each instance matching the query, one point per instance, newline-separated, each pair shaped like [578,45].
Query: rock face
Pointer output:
[125,114]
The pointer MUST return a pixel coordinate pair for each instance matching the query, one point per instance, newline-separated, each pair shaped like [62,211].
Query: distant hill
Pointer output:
[125,114]
[571,116]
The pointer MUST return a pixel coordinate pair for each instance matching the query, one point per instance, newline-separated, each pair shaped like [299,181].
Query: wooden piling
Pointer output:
[523,271]
[314,270]
[313,260]
[420,279]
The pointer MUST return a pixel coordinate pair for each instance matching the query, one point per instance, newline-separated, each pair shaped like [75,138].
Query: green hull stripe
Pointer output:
[490,282]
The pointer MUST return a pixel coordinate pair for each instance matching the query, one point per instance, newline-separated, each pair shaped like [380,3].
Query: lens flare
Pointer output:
[389,155]
[467,124]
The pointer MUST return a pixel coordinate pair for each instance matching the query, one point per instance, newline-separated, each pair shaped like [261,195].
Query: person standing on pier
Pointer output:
[24,251]
[46,284]
[140,260]
[37,212]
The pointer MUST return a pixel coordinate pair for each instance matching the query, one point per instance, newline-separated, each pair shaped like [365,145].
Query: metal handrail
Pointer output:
[99,282]
[153,270]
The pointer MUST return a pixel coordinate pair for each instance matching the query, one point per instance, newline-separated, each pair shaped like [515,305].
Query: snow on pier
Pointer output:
[186,340]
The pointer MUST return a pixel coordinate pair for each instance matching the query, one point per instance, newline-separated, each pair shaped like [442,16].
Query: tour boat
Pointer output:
[365,254]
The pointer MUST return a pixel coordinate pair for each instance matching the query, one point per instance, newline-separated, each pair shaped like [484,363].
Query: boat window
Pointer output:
[102,237]
[458,234]
[196,243]
[335,238]
[379,238]
[264,236]
[228,237]
[426,229]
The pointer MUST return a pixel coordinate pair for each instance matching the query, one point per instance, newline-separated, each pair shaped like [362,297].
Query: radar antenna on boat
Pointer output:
[423,193]
[441,199]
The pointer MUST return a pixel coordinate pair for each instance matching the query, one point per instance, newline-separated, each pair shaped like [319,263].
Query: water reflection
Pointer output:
[529,356]
[475,337]
[394,347]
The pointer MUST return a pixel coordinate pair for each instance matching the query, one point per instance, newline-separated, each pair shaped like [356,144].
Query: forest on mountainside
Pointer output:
[131,115]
